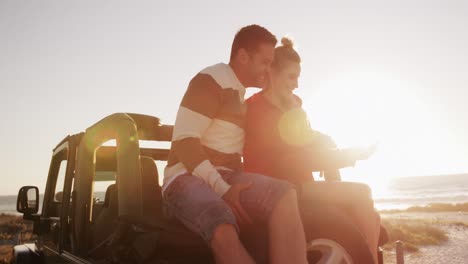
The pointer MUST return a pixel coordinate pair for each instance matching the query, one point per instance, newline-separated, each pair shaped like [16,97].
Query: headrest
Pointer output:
[149,172]
[111,196]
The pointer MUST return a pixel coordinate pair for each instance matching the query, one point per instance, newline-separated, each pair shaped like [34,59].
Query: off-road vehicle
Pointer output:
[129,224]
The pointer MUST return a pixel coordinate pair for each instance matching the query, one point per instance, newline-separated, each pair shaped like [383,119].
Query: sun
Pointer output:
[362,107]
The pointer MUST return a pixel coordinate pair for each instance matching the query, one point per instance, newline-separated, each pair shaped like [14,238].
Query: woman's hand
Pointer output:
[363,153]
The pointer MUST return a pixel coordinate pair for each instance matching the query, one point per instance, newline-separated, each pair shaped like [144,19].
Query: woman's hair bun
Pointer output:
[287,42]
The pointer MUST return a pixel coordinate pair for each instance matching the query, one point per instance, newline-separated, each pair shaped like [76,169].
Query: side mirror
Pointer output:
[28,200]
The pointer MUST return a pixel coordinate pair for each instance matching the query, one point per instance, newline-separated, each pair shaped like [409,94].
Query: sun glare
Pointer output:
[360,108]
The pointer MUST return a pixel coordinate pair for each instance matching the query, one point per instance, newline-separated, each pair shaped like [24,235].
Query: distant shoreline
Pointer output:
[430,208]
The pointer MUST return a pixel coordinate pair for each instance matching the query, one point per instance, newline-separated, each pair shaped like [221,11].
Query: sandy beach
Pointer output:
[453,251]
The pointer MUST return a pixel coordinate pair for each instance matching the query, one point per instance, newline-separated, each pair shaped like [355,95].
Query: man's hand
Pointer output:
[231,197]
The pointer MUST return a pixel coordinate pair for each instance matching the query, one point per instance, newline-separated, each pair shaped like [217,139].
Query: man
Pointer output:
[204,186]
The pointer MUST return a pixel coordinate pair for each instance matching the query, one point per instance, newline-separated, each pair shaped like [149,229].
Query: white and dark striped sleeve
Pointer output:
[199,106]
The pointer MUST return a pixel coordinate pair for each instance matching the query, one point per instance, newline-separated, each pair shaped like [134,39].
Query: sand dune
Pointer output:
[453,251]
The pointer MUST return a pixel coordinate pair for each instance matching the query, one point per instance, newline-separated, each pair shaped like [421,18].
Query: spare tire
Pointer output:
[332,238]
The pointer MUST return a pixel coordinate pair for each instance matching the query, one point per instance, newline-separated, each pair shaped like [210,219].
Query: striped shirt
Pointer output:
[209,129]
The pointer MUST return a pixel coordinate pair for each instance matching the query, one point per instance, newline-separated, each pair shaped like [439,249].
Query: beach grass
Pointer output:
[421,230]
[11,226]
[6,253]
[414,233]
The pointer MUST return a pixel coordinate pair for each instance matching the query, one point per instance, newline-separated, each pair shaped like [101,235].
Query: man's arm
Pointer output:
[196,112]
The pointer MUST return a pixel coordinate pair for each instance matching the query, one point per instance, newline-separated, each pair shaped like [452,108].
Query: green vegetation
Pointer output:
[417,232]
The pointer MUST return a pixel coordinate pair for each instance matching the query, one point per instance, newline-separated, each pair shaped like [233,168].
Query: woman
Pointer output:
[278,133]
[280,143]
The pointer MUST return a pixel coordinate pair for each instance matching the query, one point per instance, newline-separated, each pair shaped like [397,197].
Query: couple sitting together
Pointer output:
[212,191]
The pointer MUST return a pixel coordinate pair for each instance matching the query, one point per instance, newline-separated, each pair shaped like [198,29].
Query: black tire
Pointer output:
[328,230]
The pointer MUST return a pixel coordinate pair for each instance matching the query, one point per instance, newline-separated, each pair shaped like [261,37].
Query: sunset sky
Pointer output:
[392,72]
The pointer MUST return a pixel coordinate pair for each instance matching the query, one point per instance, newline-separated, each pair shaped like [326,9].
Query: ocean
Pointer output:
[423,190]
[8,204]
[401,193]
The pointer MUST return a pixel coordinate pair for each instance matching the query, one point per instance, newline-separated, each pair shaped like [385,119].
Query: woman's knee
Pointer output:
[288,201]
[291,196]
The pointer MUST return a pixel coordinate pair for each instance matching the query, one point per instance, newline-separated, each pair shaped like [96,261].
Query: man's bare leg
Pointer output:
[227,247]
[287,238]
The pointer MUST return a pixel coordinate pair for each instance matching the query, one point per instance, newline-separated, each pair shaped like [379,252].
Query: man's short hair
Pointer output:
[250,37]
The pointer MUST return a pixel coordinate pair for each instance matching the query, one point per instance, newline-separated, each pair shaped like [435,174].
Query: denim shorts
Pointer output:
[201,210]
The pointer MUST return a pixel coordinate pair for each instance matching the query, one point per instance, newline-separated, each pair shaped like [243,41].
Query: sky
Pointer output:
[386,72]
